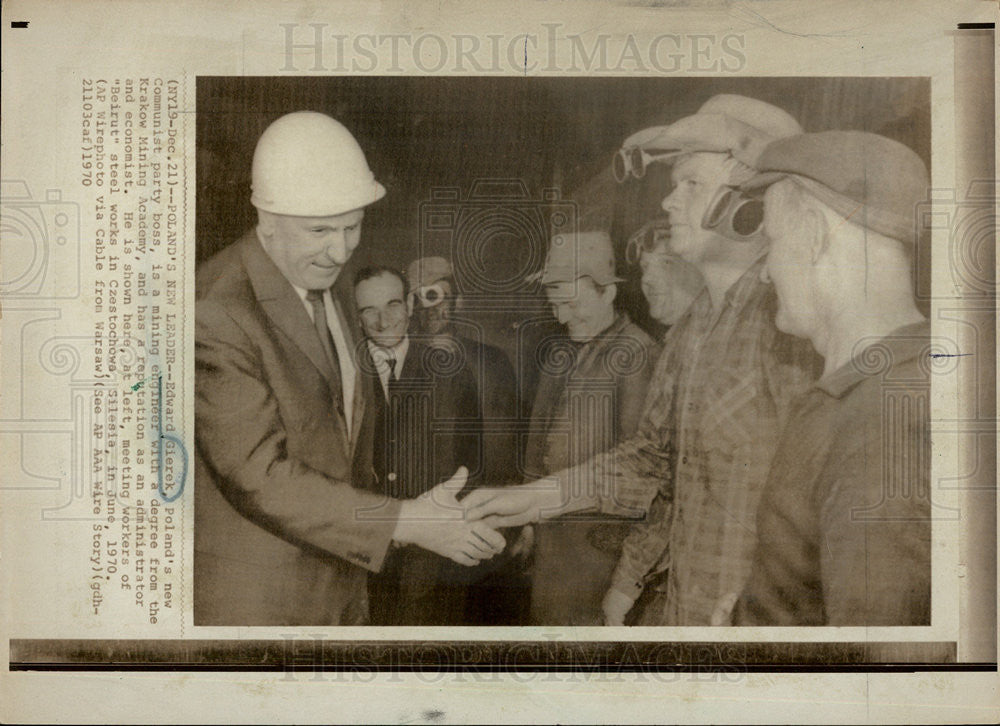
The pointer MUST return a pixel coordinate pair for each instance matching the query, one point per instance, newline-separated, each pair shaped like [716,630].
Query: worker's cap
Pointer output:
[580,254]
[726,123]
[873,181]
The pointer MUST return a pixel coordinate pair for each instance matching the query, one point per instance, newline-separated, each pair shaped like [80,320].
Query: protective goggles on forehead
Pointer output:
[633,161]
[429,296]
[734,215]
[650,236]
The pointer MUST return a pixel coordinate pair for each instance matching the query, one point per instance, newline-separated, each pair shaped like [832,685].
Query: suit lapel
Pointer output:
[360,393]
[282,304]
[413,363]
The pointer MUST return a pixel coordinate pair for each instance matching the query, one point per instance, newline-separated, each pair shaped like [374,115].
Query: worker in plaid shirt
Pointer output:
[718,397]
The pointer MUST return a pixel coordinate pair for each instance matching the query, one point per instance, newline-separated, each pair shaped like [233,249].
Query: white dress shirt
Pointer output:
[381,357]
[348,370]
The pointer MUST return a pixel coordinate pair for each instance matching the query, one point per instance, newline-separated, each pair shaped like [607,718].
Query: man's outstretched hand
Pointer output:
[513,506]
[436,522]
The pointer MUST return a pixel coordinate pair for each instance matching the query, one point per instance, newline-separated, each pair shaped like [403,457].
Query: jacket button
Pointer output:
[391,476]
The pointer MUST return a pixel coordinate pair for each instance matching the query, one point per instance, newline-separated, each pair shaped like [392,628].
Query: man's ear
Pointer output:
[409,304]
[816,228]
[265,223]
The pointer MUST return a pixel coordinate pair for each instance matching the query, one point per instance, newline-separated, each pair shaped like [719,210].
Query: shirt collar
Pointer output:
[381,355]
[747,287]
[302,293]
[901,345]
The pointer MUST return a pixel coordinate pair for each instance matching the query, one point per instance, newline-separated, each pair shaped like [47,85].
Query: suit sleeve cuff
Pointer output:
[373,555]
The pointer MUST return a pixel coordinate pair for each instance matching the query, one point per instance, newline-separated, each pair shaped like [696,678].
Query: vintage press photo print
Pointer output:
[617,362]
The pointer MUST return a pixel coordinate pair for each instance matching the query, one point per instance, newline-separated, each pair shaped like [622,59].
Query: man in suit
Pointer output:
[499,591]
[426,421]
[434,299]
[287,520]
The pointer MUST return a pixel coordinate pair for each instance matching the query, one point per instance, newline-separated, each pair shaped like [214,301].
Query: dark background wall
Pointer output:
[429,140]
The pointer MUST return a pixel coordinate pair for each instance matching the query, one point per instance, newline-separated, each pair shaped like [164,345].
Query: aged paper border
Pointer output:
[195,39]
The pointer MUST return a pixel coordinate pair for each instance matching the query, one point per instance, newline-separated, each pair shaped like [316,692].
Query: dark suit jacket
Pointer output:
[497,386]
[429,425]
[426,429]
[286,520]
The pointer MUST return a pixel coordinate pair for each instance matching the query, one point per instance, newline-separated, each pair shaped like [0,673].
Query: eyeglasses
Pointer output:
[634,161]
[429,295]
[734,215]
[651,236]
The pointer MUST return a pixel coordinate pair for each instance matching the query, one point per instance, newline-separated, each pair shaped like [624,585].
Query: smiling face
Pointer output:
[382,309]
[311,251]
[584,308]
[697,177]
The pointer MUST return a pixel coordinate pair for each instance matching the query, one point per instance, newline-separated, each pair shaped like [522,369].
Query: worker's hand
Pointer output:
[436,522]
[513,506]
[524,543]
[615,607]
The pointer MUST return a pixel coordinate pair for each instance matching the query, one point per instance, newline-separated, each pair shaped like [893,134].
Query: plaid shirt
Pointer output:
[717,402]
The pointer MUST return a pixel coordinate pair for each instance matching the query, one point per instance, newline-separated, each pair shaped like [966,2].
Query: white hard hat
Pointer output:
[307,164]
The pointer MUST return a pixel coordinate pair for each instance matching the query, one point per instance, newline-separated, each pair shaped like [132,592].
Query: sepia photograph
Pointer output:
[562,352]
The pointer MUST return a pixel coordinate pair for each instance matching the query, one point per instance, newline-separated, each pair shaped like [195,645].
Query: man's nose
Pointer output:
[669,203]
[562,314]
[336,247]
[765,276]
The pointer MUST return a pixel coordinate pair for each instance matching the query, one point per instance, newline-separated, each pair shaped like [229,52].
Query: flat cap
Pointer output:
[580,254]
[874,181]
[728,123]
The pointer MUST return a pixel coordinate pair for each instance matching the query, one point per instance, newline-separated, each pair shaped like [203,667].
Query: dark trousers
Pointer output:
[410,590]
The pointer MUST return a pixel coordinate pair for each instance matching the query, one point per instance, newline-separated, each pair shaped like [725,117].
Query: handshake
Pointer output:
[466,531]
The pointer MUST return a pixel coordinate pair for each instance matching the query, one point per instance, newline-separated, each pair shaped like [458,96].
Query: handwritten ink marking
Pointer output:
[948,355]
[164,438]
[136,386]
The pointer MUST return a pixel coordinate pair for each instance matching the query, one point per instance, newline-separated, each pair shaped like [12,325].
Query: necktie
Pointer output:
[385,362]
[315,298]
